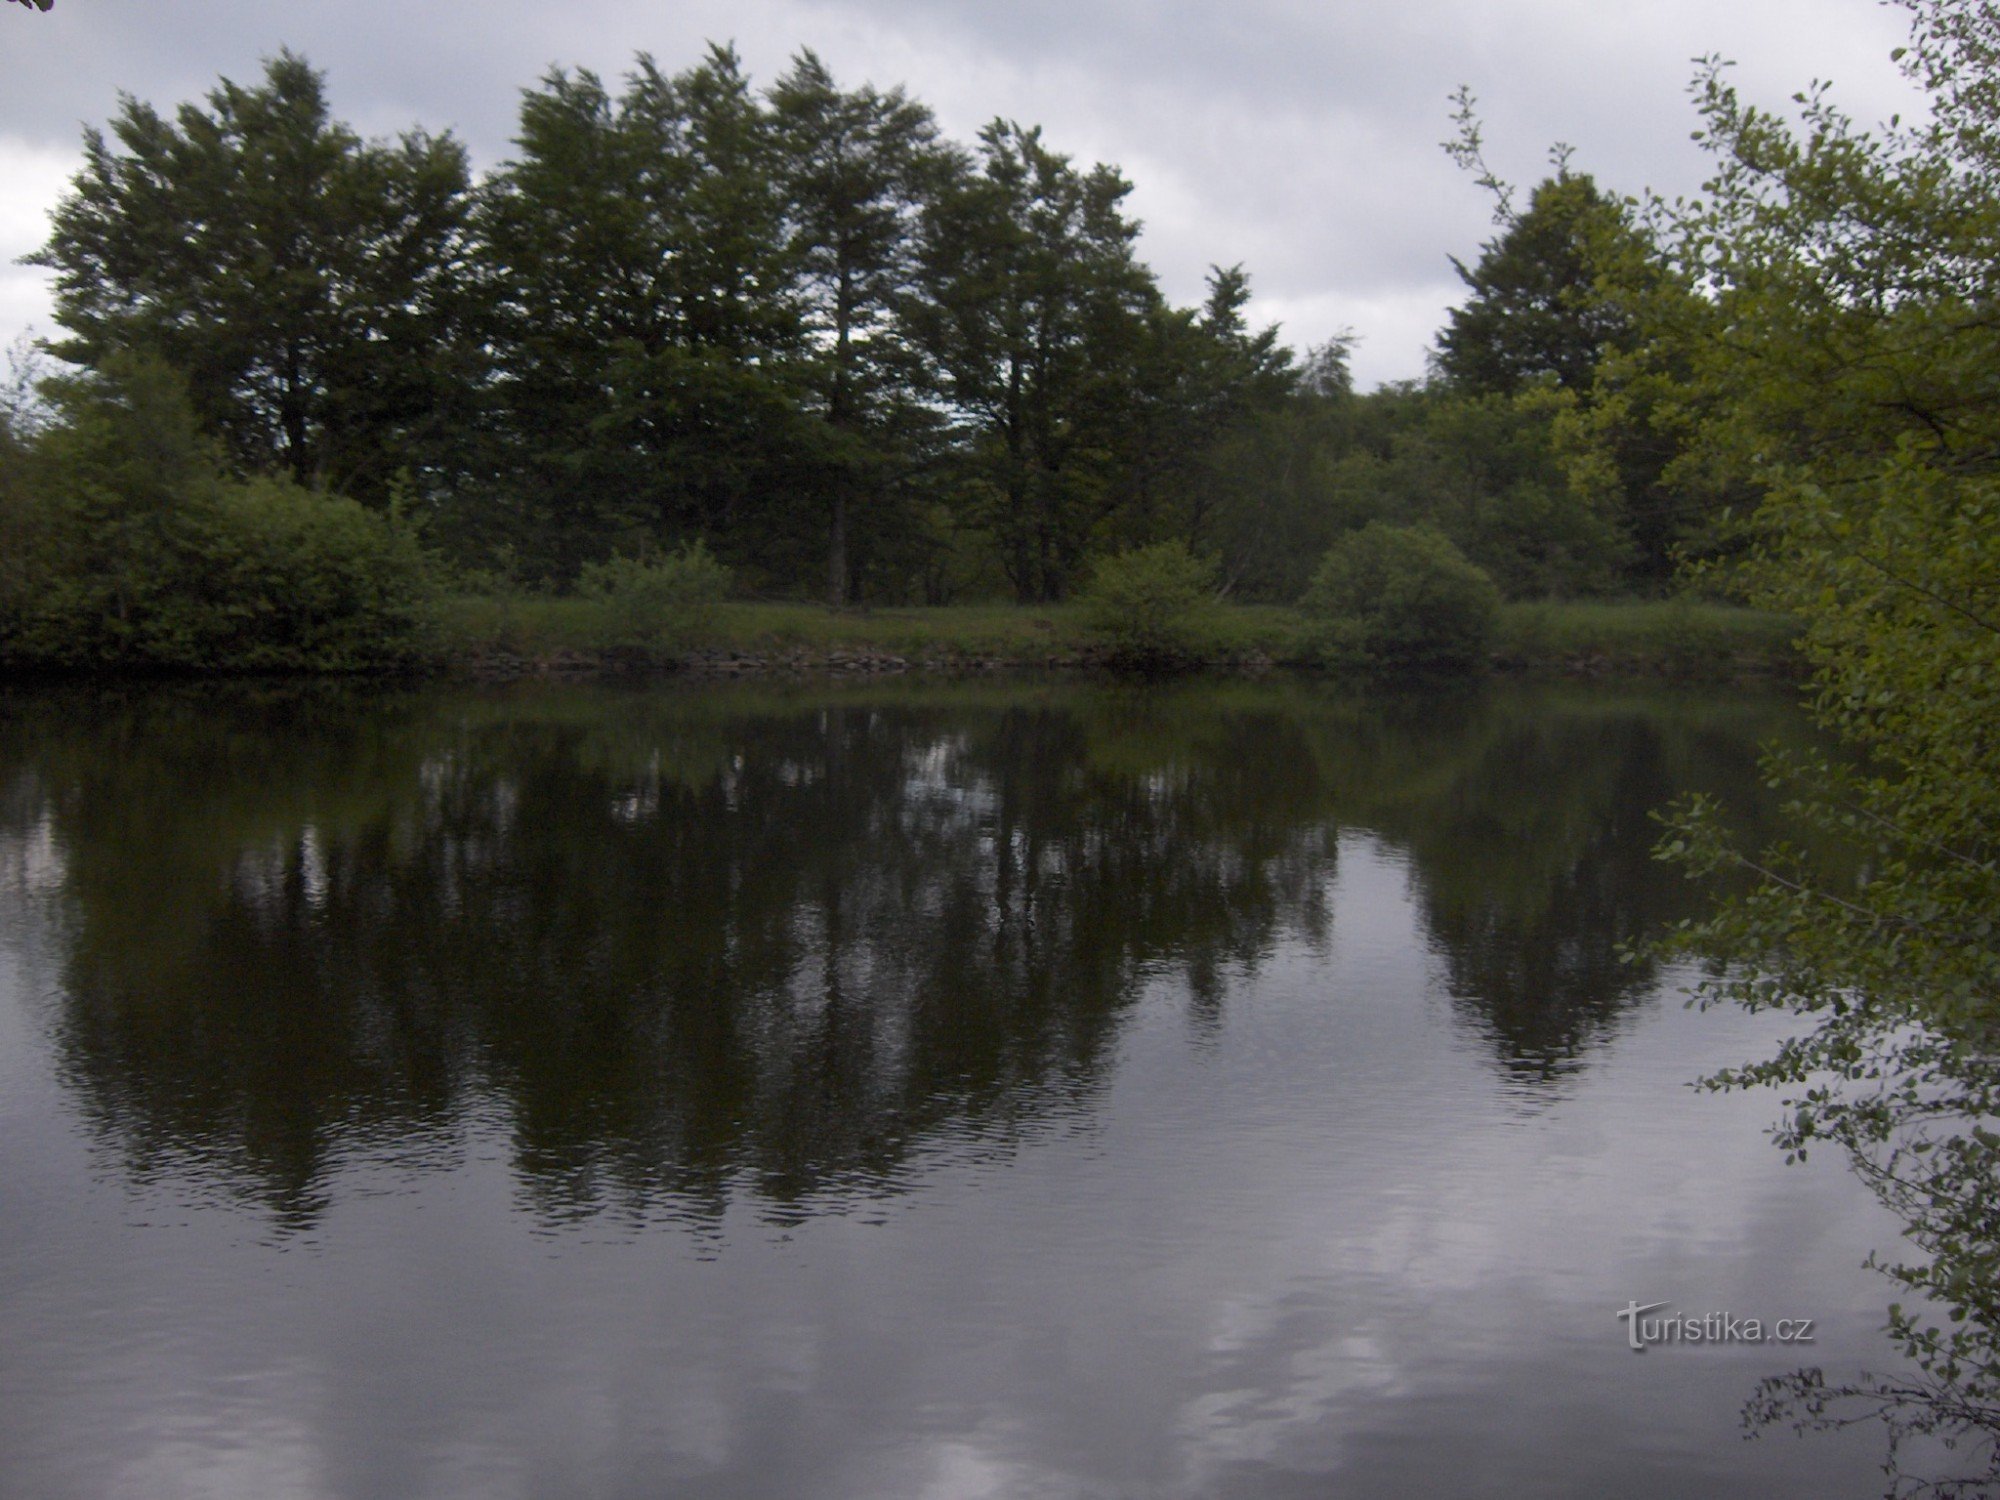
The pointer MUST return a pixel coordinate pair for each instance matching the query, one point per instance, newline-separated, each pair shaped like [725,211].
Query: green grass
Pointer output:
[966,630]
[960,630]
[532,626]
[469,625]
[1676,637]
[1673,635]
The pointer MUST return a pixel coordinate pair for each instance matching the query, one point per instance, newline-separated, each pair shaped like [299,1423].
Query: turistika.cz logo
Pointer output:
[1642,1332]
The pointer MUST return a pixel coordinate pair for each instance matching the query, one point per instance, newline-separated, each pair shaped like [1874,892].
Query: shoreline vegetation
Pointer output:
[502,637]
[925,371]
[491,637]
[701,342]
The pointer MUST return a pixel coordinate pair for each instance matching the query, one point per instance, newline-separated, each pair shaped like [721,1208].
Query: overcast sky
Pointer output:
[1299,137]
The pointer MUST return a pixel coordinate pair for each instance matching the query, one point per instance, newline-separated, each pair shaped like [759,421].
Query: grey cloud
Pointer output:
[1297,137]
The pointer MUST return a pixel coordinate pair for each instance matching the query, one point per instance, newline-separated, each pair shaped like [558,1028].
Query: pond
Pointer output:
[899,1089]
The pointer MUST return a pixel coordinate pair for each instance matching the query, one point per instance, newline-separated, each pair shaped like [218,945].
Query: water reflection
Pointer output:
[691,945]
[1530,830]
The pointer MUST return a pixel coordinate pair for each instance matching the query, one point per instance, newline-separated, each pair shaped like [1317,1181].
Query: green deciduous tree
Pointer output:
[1401,599]
[855,167]
[137,549]
[1849,376]
[1199,375]
[1034,310]
[1484,470]
[1571,294]
[647,312]
[793,323]
[315,289]
[1276,508]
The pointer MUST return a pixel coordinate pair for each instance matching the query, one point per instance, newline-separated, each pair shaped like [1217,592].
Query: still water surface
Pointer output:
[1231,1090]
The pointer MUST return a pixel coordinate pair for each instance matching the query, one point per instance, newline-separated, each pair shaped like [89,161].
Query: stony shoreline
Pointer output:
[504,666]
[858,662]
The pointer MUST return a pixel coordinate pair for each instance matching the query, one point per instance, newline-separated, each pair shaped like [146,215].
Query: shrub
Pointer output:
[1400,599]
[1152,606]
[143,553]
[300,579]
[660,603]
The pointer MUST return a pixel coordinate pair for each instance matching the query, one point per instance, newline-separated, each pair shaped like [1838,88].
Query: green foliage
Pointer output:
[1681,637]
[859,361]
[855,167]
[1032,312]
[1537,311]
[1487,470]
[1401,599]
[1847,380]
[315,290]
[134,549]
[646,325]
[1273,505]
[1573,301]
[1152,605]
[665,603]
[1200,376]
[1483,470]
[759,383]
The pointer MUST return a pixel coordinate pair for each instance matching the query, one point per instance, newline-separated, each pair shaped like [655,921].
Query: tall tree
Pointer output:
[314,288]
[1274,480]
[1536,311]
[1035,308]
[1564,299]
[1199,374]
[648,312]
[855,167]
[1848,374]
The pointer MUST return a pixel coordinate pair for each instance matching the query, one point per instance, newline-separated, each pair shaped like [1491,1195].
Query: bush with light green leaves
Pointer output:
[130,547]
[1400,599]
[1153,606]
[664,603]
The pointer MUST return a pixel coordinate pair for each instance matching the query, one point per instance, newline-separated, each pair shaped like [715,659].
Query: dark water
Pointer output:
[908,1091]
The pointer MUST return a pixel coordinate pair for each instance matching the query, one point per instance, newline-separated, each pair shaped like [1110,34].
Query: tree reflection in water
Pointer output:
[690,944]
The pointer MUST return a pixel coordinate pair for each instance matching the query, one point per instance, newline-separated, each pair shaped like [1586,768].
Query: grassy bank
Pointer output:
[1676,637]
[1673,638]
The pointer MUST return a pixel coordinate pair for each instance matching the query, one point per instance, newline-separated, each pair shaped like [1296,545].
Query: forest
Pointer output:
[790,333]
[698,337]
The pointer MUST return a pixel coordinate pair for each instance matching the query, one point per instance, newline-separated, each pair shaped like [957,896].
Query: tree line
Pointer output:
[858,360]
[798,325]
